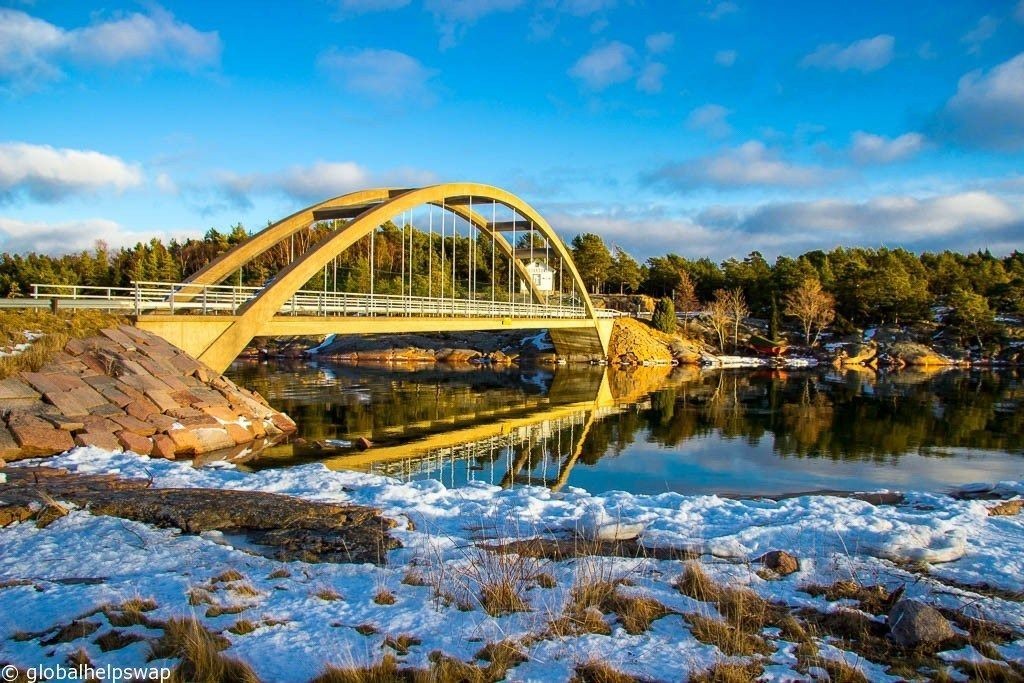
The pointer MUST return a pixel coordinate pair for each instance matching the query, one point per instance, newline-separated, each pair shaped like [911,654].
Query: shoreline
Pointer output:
[933,545]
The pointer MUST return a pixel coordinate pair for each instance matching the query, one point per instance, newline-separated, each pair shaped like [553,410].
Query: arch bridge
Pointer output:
[472,230]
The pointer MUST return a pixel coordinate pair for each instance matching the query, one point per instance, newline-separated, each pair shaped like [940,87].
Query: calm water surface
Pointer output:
[652,430]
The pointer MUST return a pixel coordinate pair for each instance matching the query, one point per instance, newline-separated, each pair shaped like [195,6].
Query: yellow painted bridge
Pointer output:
[214,321]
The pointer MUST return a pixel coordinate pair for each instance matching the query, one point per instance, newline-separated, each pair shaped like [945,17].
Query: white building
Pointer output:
[543,277]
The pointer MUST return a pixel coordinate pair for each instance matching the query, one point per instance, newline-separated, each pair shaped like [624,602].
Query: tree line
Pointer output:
[846,287]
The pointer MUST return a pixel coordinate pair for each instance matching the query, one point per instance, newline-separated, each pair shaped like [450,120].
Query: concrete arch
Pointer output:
[220,348]
[230,261]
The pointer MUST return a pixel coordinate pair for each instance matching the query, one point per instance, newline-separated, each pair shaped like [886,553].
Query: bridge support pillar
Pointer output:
[591,341]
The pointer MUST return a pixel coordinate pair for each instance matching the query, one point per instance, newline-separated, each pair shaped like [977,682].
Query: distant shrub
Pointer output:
[664,317]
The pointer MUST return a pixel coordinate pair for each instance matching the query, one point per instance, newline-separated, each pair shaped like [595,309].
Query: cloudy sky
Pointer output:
[708,128]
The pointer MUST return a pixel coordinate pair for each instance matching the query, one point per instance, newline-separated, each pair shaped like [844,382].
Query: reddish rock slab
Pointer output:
[222,413]
[98,423]
[284,423]
[162,399]
[135,442]
[239,434]
[37,437]
[161,422]
[185,441]
[163,447]
[9,448]
[119,337]
[212,439]
[141,408]
[105,440]
[134,424]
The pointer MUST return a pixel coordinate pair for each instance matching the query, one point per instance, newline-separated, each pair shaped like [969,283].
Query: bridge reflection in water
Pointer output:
[525,440]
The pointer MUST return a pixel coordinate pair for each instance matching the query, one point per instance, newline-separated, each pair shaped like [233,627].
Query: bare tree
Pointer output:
[685,297]
[736,305]
[718,317]
[813,306]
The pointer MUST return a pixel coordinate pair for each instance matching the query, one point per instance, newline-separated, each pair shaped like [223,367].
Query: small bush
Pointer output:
[664,317]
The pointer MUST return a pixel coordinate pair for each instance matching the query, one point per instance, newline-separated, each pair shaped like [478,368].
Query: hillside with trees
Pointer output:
[841,290]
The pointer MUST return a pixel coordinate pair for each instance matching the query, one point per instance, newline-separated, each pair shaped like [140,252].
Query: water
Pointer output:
[651,430]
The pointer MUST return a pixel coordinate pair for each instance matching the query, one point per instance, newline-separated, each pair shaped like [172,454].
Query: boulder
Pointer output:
[239,434]
[212,439]
[914,624]
[362,443]
[100,439]
[185,442]
[780,562]
[163,447]
[136,443]
[37,437]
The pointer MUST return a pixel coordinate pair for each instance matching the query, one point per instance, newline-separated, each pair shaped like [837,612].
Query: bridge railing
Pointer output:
[185,298]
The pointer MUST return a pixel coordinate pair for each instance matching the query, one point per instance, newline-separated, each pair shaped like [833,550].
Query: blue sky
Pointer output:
[704,128]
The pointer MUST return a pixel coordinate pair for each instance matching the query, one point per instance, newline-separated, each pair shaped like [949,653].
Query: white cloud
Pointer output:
[749,165]
[988,108]
[166,184]
[453,17]
[722,9]
[48,174]
[868,148]
[710,119]
[660,42]
[315,182]
[982,31]
[379,74]
[651,77]
[604,66]
[19,237]
[34,51]
[869,54]
[725,57]
[964,221]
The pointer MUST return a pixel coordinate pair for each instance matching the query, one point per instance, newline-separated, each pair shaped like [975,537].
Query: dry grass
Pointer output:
[215,611]
[228,576]
[279,574]
[200,654]
[328,594]
[498,580]
[367,629]
[57,330]
[245,589]
[131,613]
[384,597]
[599,672]
[727,637]
[115,640]
[729,672]
[199,596]
[873,599]
[545,580]
[402,643]
[991,672]
[242,627]
[415,578]
[502,656]
[578,622]
[384,671]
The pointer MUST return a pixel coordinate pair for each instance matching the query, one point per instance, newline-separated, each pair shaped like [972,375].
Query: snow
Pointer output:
[540,341]
[439,528]
[18,349]
[757,362]
[323,345]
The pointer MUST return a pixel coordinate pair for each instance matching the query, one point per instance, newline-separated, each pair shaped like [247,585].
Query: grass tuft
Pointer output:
[384,597]
[200,653]
[730,672]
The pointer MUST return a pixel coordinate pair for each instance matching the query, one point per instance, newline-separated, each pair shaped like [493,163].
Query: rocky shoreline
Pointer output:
[126,389]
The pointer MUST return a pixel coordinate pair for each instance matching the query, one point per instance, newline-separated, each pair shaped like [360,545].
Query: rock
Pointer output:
[212,439]
[239,434]
[163,447]
[284,423]
[9,448]
[185,442]
[1006,508]
[362,443]
[105,440]
[914,624]
[37,437]
[135,443]
[780,562]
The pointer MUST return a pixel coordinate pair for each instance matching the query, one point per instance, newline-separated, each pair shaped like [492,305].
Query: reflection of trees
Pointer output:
[826,414]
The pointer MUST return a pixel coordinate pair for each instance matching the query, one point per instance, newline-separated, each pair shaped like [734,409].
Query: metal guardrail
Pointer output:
[193,299]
